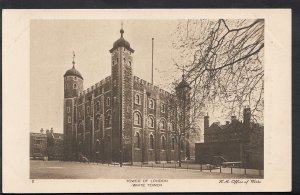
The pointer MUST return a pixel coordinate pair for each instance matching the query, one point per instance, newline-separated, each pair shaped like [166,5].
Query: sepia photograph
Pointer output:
[150,101]
[140,94]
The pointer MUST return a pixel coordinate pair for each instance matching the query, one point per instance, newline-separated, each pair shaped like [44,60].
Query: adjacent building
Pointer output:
[38,144]
[233,141]
[46,144]
[123,118]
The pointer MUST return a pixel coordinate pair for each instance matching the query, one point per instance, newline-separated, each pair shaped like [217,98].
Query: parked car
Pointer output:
[232,164]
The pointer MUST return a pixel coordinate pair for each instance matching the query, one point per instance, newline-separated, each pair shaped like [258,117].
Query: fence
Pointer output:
[193,167]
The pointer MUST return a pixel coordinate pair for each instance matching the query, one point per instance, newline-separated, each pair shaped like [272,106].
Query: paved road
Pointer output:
[76,170]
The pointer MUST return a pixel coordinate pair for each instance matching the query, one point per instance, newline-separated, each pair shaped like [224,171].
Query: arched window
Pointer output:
[137,140]
[137,99]
[74,86]
[108,101]
[163,142]
[151,122]
[97,125]
[98,106]
[98,146]
[80,128]
[173,143]
[88,109]
[151,140]
[137,119]
[163,108]
[75,78]
[151,103]
[162,124]
[108,120]
[171,126]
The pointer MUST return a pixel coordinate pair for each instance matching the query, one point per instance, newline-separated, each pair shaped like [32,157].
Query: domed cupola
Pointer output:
[183,84]
[73,71]
[121,42]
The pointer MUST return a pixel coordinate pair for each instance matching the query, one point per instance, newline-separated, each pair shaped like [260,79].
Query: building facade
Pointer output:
[55,145]
[123,118]
[38,144]
[233,141]
[46,144]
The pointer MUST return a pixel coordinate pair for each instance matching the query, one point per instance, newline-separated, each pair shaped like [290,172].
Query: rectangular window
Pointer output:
[137,99]
[68,109]
[69,119]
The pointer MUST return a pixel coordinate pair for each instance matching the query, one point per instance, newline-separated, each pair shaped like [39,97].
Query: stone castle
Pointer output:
[123,118]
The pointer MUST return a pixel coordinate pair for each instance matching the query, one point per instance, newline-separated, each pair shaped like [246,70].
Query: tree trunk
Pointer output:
[179,154]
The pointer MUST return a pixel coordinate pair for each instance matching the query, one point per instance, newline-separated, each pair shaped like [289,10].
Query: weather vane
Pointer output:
[73,58]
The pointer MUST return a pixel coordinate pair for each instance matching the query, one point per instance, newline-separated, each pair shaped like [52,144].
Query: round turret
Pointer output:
[121,42]
[73,72]
[73,82]
[183,84]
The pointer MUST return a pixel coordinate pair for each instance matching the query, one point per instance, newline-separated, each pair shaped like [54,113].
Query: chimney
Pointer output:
[233,118]
[206,122]
[42,130]
[247,117]
[51,131]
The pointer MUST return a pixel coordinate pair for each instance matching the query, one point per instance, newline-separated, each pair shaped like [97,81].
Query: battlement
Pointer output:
[151,87]
[93,87]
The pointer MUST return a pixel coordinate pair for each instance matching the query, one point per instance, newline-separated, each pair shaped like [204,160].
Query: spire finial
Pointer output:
[73,62]
[122,31]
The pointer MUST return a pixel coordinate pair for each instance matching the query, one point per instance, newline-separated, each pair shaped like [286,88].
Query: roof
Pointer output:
[121,42]
[182,84]
[73,72]
[58,135]
[231,127]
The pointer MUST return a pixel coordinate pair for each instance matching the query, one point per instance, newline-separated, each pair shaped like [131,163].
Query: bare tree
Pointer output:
[187,128]
[223,60]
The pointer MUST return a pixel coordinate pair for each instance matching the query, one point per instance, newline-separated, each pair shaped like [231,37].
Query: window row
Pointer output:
[107,122]
[115,62]
[88,110]
[151,142]
[71,78]
[151,104]
[74,85]
[137,120]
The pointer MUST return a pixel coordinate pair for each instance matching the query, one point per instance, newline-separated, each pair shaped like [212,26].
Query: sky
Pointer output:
[52,43]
